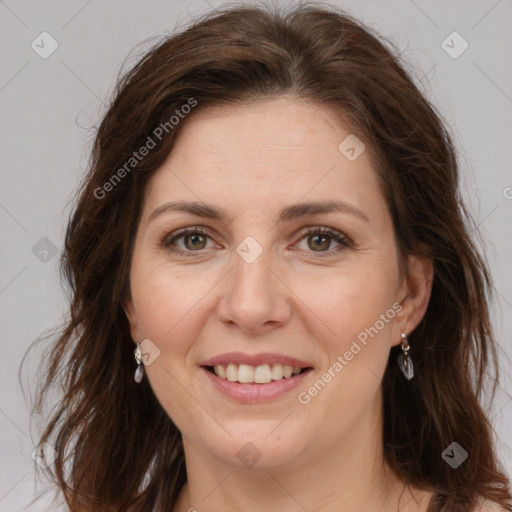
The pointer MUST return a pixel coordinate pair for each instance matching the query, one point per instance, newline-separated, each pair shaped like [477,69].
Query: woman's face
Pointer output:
[257,294]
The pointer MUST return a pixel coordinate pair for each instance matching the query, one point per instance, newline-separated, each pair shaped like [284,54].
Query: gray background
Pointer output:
[48,107]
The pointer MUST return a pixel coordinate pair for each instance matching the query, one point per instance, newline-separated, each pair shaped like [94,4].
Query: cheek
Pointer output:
[344,304]
[351,317]
[165,298]
[170,309]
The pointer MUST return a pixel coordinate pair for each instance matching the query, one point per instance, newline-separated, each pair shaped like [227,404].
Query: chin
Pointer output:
[255,449]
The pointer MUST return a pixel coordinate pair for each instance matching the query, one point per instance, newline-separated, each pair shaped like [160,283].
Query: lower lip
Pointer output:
[254,393]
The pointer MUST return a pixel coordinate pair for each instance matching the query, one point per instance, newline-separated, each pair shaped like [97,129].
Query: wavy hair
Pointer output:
[116,448]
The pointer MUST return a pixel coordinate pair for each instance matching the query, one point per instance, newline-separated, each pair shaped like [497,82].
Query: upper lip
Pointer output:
[255,360]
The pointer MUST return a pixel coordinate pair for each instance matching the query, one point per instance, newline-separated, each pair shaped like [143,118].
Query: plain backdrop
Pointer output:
[49,107]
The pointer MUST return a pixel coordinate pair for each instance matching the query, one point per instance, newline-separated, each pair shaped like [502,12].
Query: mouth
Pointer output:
[261,374]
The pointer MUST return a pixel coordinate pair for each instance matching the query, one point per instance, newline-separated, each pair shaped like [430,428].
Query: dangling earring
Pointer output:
[404,359]
[139,372]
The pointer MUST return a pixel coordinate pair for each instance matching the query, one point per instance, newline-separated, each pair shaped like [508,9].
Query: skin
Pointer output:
[251,162]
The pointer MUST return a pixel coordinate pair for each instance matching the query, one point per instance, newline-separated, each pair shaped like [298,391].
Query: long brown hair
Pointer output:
[116,447]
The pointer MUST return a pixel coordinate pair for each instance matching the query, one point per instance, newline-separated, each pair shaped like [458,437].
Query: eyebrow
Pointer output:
[287,214]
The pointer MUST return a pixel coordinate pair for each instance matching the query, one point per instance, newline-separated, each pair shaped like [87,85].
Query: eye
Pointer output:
[194,239]
[320,238]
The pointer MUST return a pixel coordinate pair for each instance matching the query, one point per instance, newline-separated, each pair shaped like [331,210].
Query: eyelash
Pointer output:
[170,239]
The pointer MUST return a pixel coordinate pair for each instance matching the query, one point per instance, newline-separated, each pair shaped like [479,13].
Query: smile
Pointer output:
[262,374]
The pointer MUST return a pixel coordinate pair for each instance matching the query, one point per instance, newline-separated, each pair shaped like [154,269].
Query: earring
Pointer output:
[139,372]
[404,359]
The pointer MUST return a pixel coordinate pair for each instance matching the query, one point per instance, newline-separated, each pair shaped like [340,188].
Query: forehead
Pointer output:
[261,133]
[264,152]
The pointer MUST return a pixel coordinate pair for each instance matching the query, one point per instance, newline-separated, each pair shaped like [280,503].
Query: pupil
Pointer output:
[194,239]
[319,244]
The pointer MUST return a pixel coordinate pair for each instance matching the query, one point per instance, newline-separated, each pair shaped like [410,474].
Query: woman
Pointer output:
[276,301]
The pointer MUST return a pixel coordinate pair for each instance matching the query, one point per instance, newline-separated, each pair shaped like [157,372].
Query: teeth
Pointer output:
[219,370]
[245,373]
[232,372]
[277,371]
[262,374]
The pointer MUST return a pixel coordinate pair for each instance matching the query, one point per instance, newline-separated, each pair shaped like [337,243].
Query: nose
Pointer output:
[255,296]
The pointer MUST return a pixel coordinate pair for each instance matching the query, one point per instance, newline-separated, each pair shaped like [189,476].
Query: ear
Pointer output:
[413,295]
[131,315]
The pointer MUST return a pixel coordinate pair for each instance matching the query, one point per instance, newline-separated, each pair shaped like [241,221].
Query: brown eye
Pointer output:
[319,242]
[186,241]
[195,241]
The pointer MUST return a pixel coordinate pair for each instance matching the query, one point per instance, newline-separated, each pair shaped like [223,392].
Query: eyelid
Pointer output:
[338,236]
[315,229]
[169,237]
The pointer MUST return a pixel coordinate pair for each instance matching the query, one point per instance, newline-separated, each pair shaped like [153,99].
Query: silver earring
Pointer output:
[404,359]
[139,372]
